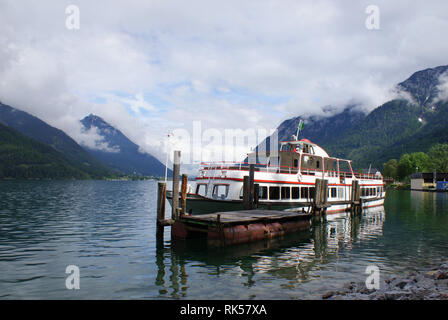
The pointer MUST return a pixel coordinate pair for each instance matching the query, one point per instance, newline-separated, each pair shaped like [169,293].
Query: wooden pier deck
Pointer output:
[224,228]
[252,224]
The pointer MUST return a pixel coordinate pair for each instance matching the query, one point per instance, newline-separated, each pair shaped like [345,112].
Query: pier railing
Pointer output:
[271,168]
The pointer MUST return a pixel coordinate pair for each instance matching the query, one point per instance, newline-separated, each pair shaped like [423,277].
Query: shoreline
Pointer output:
[425,284]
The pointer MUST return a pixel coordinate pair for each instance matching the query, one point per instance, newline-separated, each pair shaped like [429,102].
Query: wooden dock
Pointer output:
[226,228]
[251,224]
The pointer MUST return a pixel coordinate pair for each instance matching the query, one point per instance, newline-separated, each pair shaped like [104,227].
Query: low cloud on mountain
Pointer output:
[150,67]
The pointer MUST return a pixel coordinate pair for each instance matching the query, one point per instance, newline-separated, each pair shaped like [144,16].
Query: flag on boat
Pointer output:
[300,127]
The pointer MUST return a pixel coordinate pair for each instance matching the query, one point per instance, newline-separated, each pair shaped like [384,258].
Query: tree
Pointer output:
[390,168]
[421,162]
[405,167]
[439,157]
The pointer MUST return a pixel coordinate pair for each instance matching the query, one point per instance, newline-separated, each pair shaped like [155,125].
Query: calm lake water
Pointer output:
[107,229]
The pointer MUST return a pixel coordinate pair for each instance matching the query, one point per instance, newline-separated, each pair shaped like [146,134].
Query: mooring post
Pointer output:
[355,197]
[256,195]
[176,172]
[183,198]
[358,196]
[325,192]
[318,195]
[246,191]
[161,196]
[251,186]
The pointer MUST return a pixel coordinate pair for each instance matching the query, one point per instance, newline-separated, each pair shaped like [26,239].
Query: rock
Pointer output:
[400,283]
[426,284]
[444,266]
[393,295]
[440,275]
[417,285]
[442,283]
[443,296]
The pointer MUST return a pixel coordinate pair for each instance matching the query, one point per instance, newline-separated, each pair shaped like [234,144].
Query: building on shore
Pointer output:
[429,181]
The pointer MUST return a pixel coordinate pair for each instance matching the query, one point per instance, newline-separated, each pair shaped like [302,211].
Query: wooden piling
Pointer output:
[321,197]
[355,197]
[256,195]
[251,186]
[246,191]
[176,172]
[161,200]
[183,198]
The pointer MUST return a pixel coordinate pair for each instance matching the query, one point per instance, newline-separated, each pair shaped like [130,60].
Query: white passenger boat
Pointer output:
[286,180]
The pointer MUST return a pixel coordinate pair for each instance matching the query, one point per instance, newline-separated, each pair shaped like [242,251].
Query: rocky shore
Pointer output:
[422,285]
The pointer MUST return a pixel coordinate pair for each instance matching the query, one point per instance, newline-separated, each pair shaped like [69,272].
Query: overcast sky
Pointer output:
[149,67]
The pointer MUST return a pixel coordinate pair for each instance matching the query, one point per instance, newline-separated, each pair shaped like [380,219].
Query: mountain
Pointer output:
[23,157]
[396,127]
[117,151]
[37,129]
[319,128]
[423,85]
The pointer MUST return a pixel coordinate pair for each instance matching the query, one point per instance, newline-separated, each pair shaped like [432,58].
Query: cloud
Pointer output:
[92,139]
[442,88]
[149,67]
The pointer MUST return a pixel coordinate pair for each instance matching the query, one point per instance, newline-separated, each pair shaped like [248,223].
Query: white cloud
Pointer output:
[229,64]
[442,88]
[92,139]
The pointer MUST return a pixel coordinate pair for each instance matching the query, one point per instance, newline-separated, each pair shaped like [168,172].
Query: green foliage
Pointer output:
[439,156]
[390,168]
[404,167]
[436,158]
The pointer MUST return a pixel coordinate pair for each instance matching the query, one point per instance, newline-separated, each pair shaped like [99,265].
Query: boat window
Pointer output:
[274,193]
[317,164]
[296,163]
[344,166]
[220,191]
[363,192]
[306,148]
[333,192]
[286,192]
[263,192]
[295,192]
[201,189]
[304,192]
[341,192]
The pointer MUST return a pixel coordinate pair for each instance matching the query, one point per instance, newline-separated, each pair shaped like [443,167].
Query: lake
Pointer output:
[107,229]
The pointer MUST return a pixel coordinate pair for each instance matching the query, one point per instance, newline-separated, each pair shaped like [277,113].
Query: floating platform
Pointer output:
[233,227]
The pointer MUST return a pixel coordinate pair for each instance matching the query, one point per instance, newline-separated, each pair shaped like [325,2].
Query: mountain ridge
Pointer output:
[398,126]
[35,128]
[120,152]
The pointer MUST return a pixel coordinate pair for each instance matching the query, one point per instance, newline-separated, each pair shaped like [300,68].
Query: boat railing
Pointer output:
[271,168]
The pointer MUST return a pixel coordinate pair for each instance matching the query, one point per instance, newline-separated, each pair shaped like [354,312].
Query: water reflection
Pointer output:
[294,259]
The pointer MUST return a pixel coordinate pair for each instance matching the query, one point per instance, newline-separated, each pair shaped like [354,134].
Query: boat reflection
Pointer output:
[292,257]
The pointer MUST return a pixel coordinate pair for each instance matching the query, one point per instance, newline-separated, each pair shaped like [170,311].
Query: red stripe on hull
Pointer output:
[286,182]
